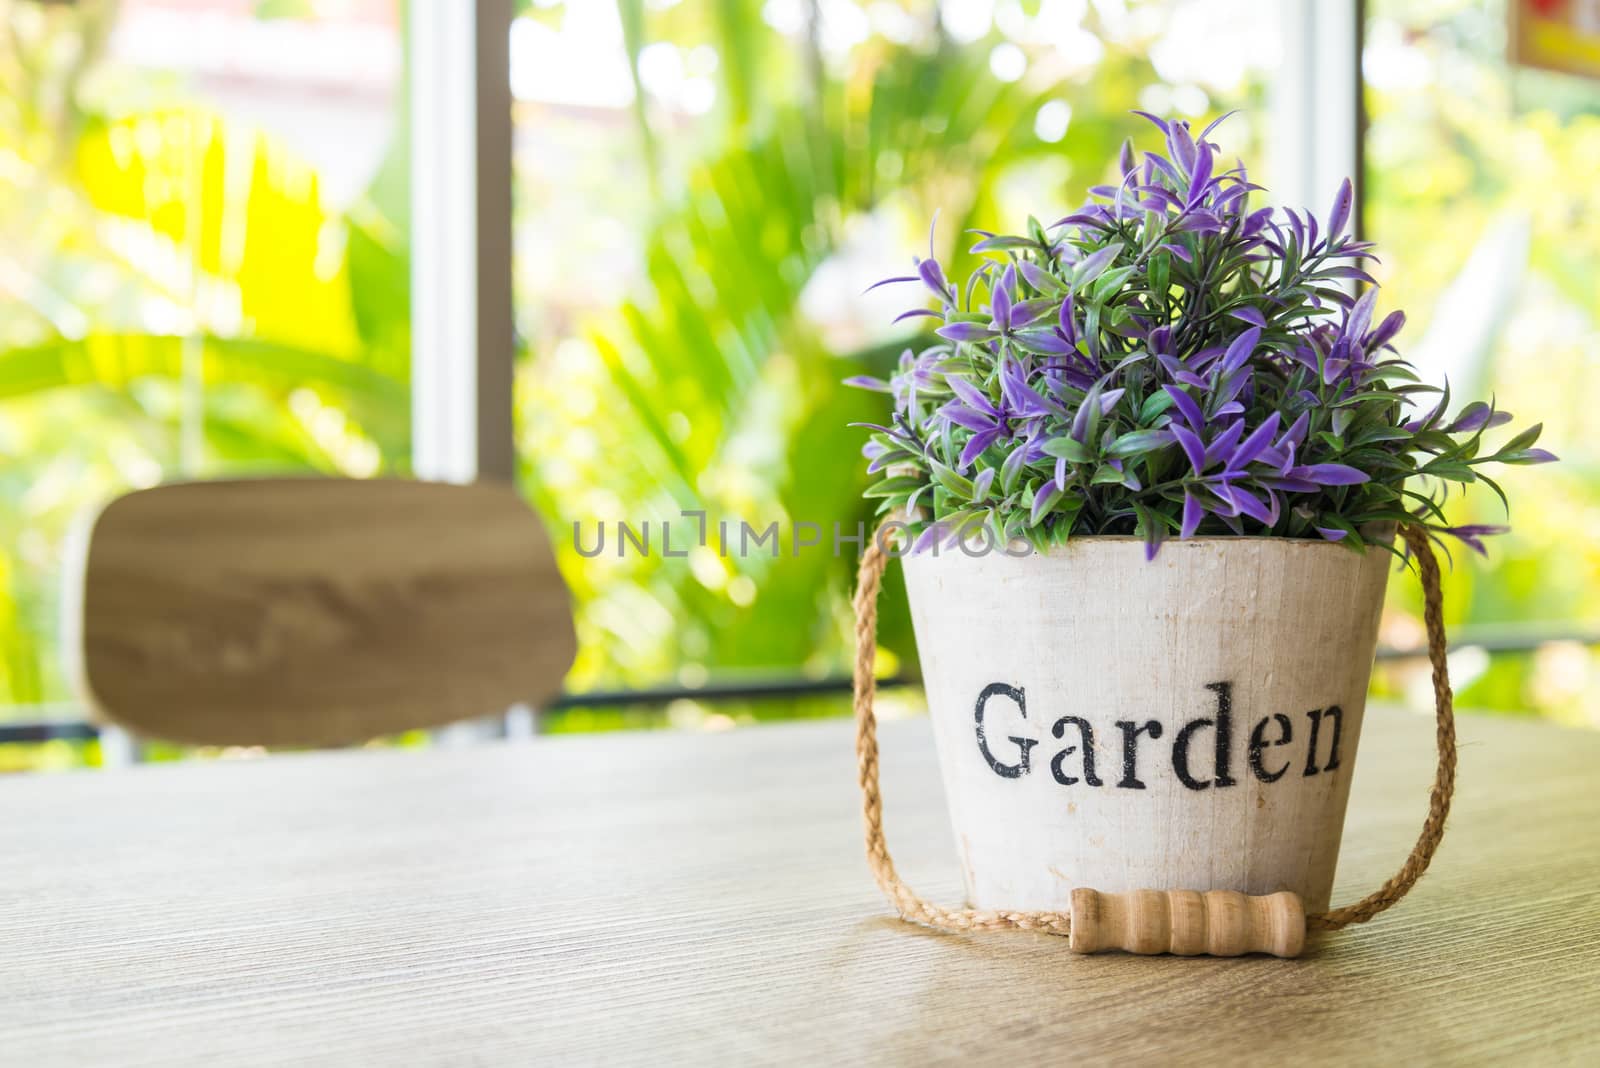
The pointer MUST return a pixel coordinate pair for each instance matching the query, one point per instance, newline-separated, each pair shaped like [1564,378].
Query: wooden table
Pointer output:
[660,898]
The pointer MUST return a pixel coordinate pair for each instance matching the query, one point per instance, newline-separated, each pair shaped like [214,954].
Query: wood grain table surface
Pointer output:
[665,898]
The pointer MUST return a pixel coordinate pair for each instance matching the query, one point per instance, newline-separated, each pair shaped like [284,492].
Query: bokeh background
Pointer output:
[204,271]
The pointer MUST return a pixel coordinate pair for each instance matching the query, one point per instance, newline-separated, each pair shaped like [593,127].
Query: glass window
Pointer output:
[204,269]
[1481,196]
[704,193]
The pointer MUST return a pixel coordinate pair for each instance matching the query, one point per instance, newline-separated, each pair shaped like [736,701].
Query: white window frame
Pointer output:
[1318,116]
[463,343]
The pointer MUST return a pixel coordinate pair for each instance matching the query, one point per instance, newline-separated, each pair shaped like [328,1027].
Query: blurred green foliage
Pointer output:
[181,300]
[713,384]
[1482,200]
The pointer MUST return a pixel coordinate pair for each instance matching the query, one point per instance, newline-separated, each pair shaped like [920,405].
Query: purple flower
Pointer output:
[1471,533]
[1252,447]
[1250,315]
[1221,448]
[1477,416]
[1021,399]
[938,533]
[1169,360]
[1385,332]
[1004,314]
[1192,447]
[1360,315]
[970,332]
[1037,277]
[971,409]
[915,374]
[1340,214]
[1240,351]
[1186,406]
[1094,265]
[929,273]
[1043,500]
[1329,474]
[1193,513]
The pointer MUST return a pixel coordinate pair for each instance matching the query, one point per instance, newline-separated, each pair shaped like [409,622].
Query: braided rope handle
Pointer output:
[916,909]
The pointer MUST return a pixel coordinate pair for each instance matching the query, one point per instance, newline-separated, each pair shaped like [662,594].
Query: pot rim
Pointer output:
[1381,532]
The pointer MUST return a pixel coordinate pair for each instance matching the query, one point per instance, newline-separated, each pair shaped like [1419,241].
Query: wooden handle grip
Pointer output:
[1221,923]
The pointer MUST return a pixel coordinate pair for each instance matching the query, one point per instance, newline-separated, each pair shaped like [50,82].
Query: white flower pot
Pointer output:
[1217,690]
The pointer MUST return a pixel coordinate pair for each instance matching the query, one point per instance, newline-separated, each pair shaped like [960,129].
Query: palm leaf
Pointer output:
[378,402]
[726,270]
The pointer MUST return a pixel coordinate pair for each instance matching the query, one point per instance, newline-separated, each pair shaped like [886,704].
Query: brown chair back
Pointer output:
[315,611]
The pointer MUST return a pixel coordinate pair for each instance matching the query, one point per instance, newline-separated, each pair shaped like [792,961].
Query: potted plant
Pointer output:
[1149,473]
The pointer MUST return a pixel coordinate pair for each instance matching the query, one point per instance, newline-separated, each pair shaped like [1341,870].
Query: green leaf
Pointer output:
[954,517]
[1367,397]
[1070,449]
[1380,433]
[1091,401]
[1007,243]
[973,523]
[1150,230]
[911,501]
[1067,510]
[1523,440]
[1091,327]
[892,487]
[1400,371]
[956,484]
[1081,278]
[1151,525]
[1052,286]
[1455,472]
[1160,280]
[893,457]
[1154,405]
[1106,474]
[114,361]
[1110,282]
[1353,540]
[1034,341]
[1139,441]
[1040,514]
[1119,321]
[1433,441]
